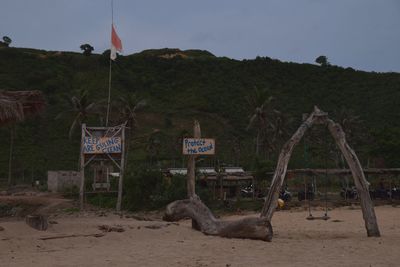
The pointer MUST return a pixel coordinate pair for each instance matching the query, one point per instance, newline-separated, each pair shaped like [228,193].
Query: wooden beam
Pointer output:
[121,171]
[359,179]
[283,160]
[308,171]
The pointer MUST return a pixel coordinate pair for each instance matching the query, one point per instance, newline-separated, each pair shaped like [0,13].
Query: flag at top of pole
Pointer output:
[116,44]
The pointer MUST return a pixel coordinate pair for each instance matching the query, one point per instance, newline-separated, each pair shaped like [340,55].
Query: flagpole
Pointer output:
[109,75]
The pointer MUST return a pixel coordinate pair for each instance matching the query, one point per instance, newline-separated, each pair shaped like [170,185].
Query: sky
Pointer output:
[362,34]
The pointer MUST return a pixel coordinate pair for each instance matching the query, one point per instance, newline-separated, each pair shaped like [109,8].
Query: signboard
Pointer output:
[198,146]
[102,145]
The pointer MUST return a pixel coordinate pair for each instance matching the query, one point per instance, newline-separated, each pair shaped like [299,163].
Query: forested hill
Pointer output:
[178,86]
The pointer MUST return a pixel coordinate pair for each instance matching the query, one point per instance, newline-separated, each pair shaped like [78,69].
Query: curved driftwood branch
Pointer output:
[194,208]
[361,183]
[316,116]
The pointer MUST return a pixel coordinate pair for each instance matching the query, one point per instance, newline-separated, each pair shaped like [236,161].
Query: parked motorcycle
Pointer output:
[247,191]
[285,195]
[349,193]
[395,193]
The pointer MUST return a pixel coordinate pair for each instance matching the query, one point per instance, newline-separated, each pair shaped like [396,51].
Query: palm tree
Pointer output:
[280,124]
[130,105]
[81,107]
[260,103]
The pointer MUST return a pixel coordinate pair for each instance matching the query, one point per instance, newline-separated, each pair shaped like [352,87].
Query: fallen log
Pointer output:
[194,208]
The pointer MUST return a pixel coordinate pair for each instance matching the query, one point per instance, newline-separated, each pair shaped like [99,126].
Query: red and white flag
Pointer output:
[116,44]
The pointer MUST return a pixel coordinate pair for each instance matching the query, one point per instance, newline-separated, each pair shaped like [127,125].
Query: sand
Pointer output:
[341,241]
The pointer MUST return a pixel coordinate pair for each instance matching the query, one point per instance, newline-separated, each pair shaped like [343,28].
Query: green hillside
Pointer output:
[179,86]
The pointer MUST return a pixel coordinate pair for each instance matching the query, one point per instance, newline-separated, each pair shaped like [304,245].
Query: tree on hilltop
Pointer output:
[87,49]
[6,41]
[322,60]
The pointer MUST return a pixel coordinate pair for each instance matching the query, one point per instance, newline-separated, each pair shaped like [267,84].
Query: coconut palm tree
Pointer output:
[129,106]
[81,107]
[260,103]
[280,125]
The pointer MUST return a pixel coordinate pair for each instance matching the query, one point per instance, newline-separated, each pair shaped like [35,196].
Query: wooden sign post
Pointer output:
[194,147]
[102,143]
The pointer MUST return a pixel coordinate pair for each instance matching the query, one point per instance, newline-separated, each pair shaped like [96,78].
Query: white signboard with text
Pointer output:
[198,146]
[102,145]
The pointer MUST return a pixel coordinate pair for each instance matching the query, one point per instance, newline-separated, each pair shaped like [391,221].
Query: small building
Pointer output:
[57,181]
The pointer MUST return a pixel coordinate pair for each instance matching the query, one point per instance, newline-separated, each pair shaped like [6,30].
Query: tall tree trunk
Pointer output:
[12,132]
[258,143]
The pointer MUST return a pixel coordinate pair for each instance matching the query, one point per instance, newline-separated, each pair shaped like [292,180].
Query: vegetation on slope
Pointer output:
[178,86]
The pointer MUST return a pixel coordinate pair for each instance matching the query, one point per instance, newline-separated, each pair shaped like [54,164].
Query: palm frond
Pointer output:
[16,105]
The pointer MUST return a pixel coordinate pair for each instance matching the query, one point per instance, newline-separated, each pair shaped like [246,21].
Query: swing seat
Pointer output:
[325,217]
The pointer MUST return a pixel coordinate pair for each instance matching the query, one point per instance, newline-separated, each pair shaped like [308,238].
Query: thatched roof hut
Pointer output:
[16,105]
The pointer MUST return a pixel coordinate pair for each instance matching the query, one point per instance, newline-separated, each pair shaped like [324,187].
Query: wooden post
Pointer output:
[121,171]
[192,165]
[82,170]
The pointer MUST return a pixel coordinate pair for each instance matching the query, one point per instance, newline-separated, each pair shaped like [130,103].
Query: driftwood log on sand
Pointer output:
[251,227]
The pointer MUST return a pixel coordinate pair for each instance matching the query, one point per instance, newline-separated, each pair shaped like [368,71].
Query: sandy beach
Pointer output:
[341,241]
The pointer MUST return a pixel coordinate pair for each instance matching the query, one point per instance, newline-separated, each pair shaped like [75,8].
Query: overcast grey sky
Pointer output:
[363,34]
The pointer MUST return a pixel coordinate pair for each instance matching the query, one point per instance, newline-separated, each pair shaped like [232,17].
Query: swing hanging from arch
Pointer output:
[310,216]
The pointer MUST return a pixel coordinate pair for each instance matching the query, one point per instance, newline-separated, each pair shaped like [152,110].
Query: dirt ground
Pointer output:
[341,241]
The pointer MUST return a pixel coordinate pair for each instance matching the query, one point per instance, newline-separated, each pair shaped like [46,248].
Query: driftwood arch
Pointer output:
[362,185]
[260,227]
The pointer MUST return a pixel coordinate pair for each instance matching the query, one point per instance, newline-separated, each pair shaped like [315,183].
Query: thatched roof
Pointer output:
[16,105]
